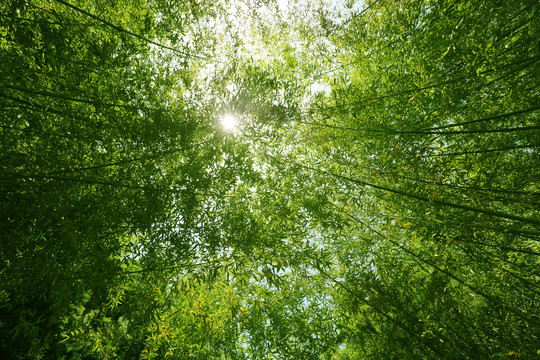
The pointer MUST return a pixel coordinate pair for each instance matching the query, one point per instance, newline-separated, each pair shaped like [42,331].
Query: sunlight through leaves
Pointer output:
[229,122]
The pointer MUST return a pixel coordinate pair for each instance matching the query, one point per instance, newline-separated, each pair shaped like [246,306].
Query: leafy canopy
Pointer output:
[269,179]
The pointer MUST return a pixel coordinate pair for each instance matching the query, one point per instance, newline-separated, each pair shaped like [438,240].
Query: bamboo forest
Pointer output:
[270,179]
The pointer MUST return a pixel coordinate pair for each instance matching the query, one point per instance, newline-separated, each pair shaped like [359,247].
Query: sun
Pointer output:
[229,122]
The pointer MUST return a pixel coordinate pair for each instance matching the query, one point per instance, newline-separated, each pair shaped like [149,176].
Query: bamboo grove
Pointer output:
[380,198]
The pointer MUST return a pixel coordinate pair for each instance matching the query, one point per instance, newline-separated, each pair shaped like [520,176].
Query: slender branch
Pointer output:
[122,30]
[424,199]
[504,191]
[513,113]
[67,98]
[532,146]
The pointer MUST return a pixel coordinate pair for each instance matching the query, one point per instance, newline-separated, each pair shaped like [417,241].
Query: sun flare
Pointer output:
[229,122]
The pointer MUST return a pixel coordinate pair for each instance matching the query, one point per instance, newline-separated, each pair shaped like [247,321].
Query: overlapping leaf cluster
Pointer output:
[433,121]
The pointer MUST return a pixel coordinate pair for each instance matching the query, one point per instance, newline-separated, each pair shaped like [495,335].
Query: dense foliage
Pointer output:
[379,198]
